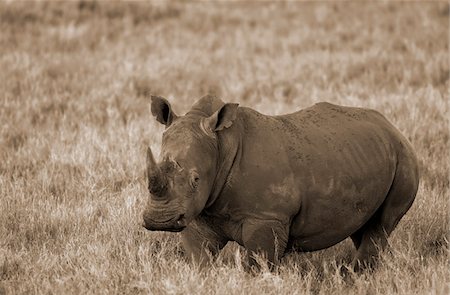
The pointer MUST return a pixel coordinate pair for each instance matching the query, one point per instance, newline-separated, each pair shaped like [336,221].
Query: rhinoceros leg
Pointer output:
[357,238]
[372,237]
[266,237]
[201,242]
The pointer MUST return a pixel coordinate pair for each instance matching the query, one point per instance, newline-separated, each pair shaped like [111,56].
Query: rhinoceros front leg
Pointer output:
[266,237]
[201,242]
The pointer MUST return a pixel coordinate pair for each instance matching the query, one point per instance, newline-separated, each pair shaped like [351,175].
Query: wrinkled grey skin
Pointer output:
[303,181]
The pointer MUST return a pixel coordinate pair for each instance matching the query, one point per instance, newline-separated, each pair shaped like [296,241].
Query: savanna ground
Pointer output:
[75,121]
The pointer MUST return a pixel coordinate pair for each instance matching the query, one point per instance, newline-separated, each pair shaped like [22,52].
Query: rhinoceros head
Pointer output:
[180,184]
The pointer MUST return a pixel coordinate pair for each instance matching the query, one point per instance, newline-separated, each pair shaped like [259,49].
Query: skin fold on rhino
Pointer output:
[302,181]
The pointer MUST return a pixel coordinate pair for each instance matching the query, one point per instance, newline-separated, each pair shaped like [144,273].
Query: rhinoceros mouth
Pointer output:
[175,224]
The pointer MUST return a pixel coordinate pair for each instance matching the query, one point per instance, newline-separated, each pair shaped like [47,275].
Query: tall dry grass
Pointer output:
[74,124]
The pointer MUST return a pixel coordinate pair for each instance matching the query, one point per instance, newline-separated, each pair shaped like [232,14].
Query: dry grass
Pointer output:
[74,122]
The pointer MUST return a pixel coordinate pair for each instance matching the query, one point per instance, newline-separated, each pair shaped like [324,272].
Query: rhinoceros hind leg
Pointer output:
[369,240]
[372,237]
[357,238]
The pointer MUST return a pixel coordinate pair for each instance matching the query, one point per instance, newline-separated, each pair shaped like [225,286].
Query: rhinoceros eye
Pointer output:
[194,179]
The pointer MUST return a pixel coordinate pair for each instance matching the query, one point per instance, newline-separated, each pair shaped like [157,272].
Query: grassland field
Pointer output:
[75,123]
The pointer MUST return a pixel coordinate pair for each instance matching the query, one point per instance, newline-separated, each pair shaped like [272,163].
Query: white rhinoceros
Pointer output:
[302,181]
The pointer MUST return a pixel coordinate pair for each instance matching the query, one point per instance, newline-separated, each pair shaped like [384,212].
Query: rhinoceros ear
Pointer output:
[162,110]
[222,118]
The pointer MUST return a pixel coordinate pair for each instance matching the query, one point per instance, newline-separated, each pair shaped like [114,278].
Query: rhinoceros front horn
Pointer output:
[156,181]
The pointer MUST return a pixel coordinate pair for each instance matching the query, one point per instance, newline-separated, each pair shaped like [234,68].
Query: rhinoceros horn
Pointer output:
[156,180]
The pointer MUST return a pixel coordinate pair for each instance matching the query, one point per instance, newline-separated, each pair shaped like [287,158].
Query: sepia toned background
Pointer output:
[75,122]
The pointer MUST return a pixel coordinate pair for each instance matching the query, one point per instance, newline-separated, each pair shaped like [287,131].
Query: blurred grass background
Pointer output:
[75,121]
